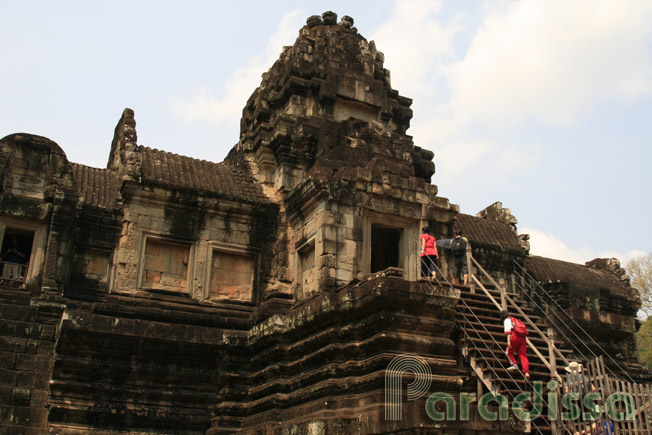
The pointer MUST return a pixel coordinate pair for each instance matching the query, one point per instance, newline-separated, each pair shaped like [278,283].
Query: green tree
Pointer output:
[639,270]
[644,339]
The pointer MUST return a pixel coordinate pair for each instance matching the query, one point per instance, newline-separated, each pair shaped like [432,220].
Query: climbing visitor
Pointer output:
[458,250]
[608,429]
[574,376]
[428,254]
[516,342]
[576,382]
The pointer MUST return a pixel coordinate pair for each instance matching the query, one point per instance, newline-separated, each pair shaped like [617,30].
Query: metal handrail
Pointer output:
[577,326]
[510,301]
[486,383]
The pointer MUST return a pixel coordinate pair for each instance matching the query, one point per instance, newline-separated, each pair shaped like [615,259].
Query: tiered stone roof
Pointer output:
[487,232]
[98,187]
[101,187]
[581,278]
[215,179]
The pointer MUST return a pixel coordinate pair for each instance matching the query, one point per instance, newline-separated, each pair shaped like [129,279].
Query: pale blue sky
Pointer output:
[543,105]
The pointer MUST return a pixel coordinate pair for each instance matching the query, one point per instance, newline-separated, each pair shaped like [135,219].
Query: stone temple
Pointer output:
[272,292]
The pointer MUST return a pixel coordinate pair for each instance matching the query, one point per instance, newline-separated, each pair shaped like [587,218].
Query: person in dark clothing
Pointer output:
[14,254]
[458,250]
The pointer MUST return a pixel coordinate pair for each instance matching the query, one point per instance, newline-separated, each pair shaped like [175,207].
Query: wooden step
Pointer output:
[492,311]
[487,304]
[481,294]
[495,362]
[498,339]
[481,344]
[473,316]
[487,347]
[536,368]
[497,332]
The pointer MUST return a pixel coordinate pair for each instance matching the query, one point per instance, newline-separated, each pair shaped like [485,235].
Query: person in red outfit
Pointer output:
[515,343]
[428,254]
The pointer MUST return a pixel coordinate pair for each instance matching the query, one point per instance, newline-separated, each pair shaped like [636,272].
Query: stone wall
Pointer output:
[91,268]
[190,245]
[128,365]
[299,376]
[27,339]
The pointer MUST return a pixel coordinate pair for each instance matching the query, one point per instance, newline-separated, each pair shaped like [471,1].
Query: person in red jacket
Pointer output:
[428,254]
[515,343]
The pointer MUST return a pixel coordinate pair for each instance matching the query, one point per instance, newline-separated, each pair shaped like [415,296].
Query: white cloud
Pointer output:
[224,105]
[467,161]
[531,63]
[550,61]
[547,245]
[416,46]
[464,154]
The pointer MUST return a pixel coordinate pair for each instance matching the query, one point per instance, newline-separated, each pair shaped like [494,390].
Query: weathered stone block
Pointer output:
[21,396]
[45,347]
[7,360]
[26,361]
[8,377]
[329,246]
[25,379]
[326,260]
[39,398]
[330,232]
[343,275]
[6,394]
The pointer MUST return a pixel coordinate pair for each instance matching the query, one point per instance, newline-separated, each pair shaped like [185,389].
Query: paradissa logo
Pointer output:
[394,380]
[571,402]
[571,405]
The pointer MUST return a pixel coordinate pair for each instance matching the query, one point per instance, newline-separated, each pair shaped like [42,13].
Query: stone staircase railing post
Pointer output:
[550,333]
[469,265]
[551,353]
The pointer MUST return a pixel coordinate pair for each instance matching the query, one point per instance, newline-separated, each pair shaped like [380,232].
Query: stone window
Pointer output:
[232,276]
[165,266]
[32,237]
[307,273]
[389,241]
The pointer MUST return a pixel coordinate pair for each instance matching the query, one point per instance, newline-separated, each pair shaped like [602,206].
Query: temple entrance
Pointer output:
[385,247]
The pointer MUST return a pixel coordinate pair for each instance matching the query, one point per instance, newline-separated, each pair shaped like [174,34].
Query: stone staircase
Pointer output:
[483,342]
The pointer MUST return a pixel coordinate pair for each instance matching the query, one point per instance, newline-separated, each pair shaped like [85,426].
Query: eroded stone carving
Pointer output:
[497,213]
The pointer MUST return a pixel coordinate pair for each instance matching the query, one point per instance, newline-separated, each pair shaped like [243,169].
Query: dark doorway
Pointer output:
[384,247]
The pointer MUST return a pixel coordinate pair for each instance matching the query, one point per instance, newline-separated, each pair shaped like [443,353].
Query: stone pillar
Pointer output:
[57,251]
